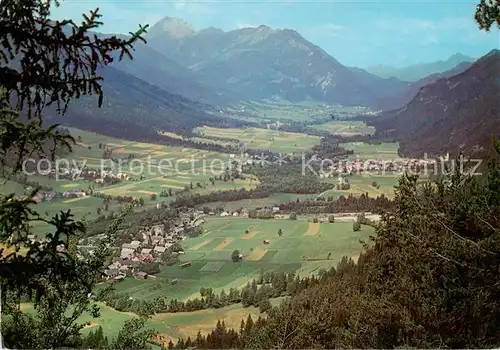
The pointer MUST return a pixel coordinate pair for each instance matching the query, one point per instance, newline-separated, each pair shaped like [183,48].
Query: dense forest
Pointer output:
[273,179]
[287,178]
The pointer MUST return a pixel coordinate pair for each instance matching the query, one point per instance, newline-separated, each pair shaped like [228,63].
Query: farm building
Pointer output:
[146,258]
[126,253]
[114,266]
[129,246]
[157,240]
[135,244]
[141,275]
[159,249]
[186,264]
[266,241]
[112,273]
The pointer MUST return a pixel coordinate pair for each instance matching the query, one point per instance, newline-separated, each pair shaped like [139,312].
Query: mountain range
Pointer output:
[264,63]
[221,68]
[183,78]
[453,114]
[419,71]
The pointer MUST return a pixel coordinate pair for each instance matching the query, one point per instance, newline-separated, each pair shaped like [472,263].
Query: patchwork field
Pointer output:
[346,128]
[268,139]
[153,168]
[280,110]
[385,150]
[304,246]
[161,167]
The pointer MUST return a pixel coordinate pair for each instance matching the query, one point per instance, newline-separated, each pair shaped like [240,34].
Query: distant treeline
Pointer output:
[340,205]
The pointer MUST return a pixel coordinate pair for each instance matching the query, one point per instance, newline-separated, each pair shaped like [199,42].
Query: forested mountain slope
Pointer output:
[133,107]
[417,72]
[262,63]
[451,114]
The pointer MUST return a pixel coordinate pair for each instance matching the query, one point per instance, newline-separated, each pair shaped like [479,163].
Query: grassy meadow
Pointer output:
[280,110]
[256,203]
[346,128]
[267,139]
[363,183]
[304,246]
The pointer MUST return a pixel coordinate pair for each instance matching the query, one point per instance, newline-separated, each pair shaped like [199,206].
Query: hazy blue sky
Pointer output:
[357,33]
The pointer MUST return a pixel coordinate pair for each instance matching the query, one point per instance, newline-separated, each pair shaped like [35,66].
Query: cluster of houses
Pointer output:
[74,194]
[42,196]
[149,249]
[90,175]
[134,253]
[382,165]
[243,213]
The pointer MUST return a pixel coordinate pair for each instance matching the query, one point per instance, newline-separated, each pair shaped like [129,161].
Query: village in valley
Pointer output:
[189,230]
[155,245]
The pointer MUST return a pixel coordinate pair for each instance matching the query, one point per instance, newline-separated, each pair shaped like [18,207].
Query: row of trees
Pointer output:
[343,204]
[221,337]
[256,293]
